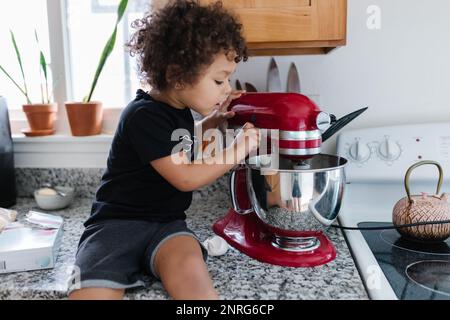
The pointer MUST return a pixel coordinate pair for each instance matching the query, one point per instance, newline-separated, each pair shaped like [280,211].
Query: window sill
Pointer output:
[111,118]
[61,151]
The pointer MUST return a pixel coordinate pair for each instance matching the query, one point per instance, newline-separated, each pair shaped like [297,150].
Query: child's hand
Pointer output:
[221,113]
[247,141]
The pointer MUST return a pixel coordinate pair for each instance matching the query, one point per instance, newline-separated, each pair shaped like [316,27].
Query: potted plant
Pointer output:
[41,116]
[85,118]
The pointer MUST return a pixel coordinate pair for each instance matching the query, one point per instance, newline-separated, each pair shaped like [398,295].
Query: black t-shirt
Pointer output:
[131,188]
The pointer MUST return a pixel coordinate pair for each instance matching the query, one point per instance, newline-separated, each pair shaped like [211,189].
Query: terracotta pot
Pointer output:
[41,117]
[85,119]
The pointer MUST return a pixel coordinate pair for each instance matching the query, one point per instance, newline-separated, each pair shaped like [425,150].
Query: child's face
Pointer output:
[213,86]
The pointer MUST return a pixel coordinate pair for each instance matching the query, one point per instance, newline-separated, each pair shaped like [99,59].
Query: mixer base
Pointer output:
[297,244]
[250,236]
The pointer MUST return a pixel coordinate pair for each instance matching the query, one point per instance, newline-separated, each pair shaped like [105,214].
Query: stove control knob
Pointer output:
[359,152]
[389,150]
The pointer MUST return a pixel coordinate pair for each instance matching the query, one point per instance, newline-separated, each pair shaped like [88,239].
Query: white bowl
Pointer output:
[55,202]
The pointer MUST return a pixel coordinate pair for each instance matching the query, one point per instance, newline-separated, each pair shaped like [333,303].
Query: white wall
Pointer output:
[401,71]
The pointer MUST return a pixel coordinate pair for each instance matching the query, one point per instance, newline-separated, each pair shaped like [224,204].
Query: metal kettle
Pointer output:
[423,208]
[8,192]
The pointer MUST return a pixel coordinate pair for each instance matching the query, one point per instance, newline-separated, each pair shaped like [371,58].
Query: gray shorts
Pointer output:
[120,254]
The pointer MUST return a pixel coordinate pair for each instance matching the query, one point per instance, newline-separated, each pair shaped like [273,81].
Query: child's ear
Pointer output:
[172,75]
[179,86]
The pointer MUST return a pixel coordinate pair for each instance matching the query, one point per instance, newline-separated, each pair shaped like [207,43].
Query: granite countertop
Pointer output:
[235,275]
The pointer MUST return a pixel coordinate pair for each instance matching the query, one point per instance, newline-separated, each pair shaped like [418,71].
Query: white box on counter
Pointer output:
[30,247]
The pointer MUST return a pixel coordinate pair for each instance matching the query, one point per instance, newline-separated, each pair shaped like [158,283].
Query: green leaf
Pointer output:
[42,59]
[15,83]
[43,64]
[121,10]
[107,50]
[19,59]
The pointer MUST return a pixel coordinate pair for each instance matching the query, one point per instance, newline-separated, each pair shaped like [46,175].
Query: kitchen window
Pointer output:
[79,30]
[89,25]
[23,17]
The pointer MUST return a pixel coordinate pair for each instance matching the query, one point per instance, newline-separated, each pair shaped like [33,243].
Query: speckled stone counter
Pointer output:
[85,181]
[235,275]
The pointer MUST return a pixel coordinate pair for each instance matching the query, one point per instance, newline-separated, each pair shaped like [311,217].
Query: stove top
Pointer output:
[414,270]
[379,157]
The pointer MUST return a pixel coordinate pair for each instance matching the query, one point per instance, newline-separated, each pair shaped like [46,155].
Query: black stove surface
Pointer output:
[415,270]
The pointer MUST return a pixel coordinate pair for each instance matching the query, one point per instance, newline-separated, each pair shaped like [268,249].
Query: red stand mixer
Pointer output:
[285,199]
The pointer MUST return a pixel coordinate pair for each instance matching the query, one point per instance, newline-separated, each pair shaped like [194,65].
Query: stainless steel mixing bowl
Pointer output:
[295,200]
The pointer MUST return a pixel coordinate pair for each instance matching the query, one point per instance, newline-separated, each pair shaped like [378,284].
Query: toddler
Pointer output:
[187,53]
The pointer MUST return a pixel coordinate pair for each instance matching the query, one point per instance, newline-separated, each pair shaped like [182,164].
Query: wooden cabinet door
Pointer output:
[274,27]
[272,20]
[331,19]
[290,20]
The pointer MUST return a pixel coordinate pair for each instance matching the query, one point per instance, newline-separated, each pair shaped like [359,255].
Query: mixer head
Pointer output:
[299,120]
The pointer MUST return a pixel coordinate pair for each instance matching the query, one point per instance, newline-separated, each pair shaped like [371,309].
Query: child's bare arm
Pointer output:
[189,177]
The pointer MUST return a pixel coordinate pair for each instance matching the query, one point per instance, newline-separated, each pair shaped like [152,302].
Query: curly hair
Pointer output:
[174,44]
